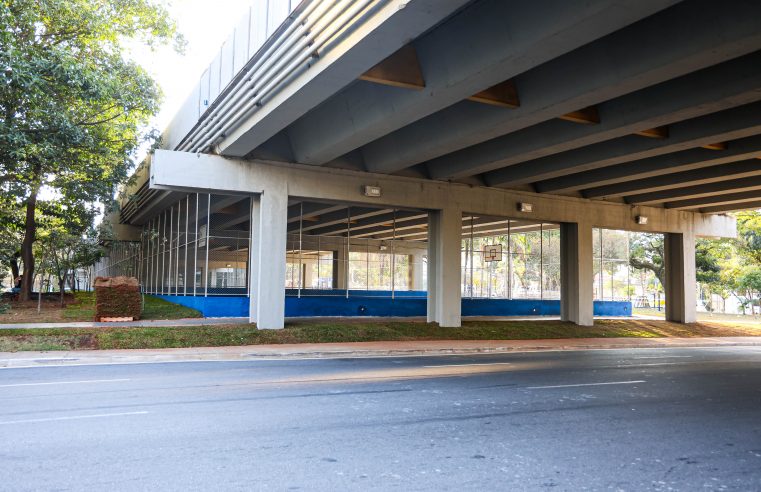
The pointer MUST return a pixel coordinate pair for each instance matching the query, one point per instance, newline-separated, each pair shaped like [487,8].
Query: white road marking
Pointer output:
[660,364]
[585,384]
[75,417]
[88,381]
[474,364]
[666,357]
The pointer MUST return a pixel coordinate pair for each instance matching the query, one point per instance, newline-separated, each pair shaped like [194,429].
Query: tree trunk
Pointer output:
[27,253]
[14,267]
[62,288]
[72,281]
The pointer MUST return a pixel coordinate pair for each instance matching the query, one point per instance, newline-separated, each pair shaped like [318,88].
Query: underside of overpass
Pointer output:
[633,115]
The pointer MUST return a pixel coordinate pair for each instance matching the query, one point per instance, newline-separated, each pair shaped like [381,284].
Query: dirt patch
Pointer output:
[26,311]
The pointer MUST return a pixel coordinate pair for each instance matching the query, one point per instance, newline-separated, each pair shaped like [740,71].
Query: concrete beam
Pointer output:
[686,160]
[731,207]
[730,124]
[697,191]
[338,217]
[710,202]
[649,52]
[713,89]
[310,209]
[363,226]
[705,175]
[488,43]
[191,172]
[385,29]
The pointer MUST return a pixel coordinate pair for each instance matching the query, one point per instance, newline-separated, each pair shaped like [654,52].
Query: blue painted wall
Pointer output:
[213,307]
[379,303]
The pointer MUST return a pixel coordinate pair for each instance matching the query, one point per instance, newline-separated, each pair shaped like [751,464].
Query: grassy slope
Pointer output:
[155,308]
[351,331]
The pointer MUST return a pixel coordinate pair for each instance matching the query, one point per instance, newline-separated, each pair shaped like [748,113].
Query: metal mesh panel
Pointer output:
[550,262]
[614,278]
[528,266]
[228,245]
[354,250]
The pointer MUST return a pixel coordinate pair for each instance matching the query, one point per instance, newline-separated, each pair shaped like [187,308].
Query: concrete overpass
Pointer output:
[635,115]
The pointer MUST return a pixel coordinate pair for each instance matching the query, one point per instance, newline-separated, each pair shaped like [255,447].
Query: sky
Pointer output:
[205,24]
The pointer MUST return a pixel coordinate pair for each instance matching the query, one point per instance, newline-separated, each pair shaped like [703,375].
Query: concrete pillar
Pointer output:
[269,219]
[679,258]
[576,273]
[444,276]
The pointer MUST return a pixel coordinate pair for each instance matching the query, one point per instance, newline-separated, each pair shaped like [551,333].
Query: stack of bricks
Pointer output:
[117,299]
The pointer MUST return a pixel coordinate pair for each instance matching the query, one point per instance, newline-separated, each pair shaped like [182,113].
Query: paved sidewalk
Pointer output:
[354,349]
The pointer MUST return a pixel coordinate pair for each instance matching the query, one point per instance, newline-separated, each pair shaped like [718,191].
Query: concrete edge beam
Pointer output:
[192,172]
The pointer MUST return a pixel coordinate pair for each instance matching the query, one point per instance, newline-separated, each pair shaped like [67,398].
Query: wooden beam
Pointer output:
[504,94]
[587,116]
[311,218]
[401,69]
[657,132]
[716,146]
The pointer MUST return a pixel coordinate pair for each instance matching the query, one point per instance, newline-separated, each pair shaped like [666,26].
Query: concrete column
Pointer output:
[444,244]
[577,273]
[679,252]
[269,218]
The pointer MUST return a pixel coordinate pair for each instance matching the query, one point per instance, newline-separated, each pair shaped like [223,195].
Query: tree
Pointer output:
[69,239]
[749,235]
[646,253]
[73,109]
[12,225]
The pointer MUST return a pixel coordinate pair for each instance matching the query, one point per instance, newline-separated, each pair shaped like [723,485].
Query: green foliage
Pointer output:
[73,107]
[749,235]
[707,268]
[646,253]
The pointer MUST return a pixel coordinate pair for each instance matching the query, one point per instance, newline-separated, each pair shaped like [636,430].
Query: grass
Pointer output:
[81,307]
[351,331]
[703,316]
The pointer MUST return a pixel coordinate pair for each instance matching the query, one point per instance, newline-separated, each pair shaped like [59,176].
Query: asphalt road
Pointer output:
[661,419]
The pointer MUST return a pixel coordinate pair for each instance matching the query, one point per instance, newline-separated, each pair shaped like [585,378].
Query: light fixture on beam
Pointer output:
[525,207]
[641,219]
[372,191]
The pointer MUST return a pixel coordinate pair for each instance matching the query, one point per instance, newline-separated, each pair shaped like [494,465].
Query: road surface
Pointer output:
[656,419]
